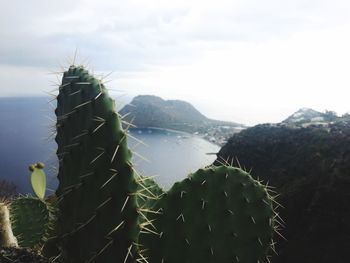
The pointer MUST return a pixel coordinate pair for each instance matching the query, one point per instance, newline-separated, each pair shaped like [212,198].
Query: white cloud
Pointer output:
[250,61]
[267,79]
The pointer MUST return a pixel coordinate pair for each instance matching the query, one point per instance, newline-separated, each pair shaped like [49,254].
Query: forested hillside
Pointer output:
[310,168]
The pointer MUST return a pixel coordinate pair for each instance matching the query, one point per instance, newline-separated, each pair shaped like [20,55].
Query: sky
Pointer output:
[248,61]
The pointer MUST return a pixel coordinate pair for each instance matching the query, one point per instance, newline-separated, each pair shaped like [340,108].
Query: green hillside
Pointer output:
[310,168]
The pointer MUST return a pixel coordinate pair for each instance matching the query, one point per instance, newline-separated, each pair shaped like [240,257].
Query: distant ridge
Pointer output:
[307,116]
[152,111]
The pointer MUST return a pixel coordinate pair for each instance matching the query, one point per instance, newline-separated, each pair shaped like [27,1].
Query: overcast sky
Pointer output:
[248,61]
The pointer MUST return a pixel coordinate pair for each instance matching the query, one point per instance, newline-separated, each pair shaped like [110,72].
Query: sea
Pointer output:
[27,136]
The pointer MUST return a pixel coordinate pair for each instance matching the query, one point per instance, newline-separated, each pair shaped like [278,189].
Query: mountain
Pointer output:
[306,116]
[309,167]
[152,111]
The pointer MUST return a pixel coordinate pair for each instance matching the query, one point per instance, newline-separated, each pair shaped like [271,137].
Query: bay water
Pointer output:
[26,137]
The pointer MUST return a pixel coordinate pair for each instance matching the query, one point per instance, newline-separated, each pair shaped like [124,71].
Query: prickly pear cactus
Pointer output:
[50,245]
[30,220]
[38,179]
[149,192]
[218,214]
[98,219]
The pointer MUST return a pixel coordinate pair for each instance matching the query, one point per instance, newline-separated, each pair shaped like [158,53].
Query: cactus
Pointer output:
[50,245]
[26,221]
[149,192]
[30,219]
[218,214]
[38,180]
[98,219]
[7,239]
[109,214]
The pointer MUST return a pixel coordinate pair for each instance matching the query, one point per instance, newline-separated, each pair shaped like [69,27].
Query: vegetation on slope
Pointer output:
[310,169]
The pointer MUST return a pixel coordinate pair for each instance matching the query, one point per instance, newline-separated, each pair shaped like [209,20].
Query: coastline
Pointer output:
[179,132]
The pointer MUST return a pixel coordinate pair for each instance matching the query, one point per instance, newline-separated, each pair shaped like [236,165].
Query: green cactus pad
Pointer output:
[29,220]
[149,192]
[98,219]
[218,214]
[38,180]
[50,247]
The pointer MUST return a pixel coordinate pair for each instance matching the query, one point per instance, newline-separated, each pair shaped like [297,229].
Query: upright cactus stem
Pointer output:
[98,209]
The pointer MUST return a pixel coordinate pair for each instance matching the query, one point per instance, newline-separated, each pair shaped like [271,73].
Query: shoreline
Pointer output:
[180,132]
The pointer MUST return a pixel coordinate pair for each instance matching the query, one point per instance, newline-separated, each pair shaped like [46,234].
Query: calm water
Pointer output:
[25,139]
[170,155]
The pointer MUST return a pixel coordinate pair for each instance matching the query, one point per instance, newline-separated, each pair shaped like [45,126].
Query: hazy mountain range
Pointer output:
[306,116]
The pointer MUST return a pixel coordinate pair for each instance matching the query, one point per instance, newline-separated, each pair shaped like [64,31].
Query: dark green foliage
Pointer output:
[280,154]
[310,168]
[218,214]
[29,220]
[98,219]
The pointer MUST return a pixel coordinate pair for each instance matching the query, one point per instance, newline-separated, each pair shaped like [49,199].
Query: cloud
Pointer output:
[257,79]
[263,52]
[133,34]
[128,34]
